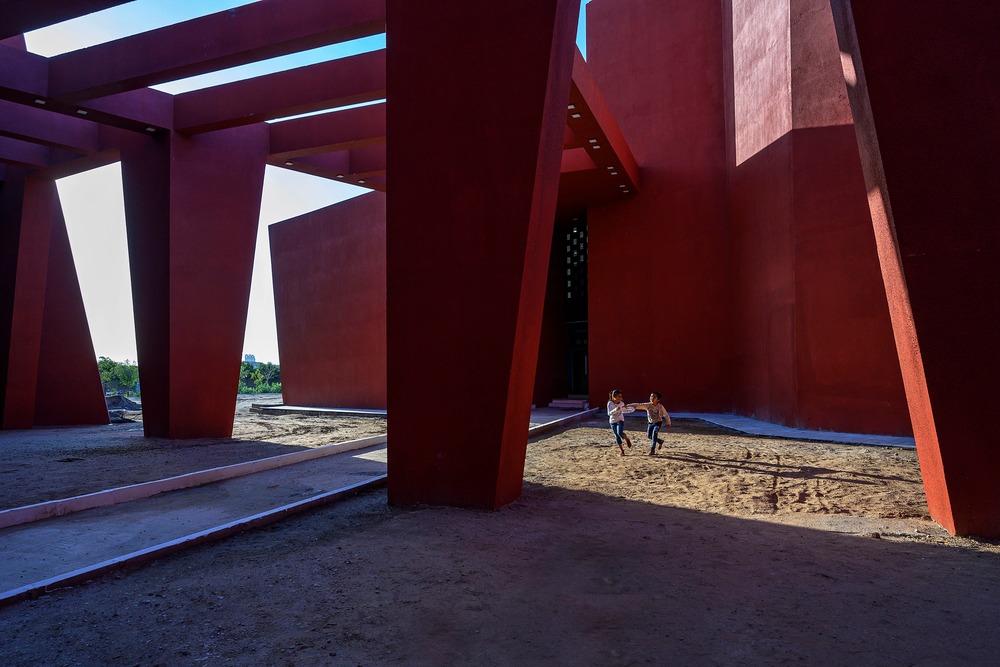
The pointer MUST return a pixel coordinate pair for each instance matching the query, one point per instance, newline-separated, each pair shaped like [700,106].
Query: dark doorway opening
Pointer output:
[574,237]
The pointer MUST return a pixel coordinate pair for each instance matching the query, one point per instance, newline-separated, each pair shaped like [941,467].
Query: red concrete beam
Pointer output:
[924,100]
[327,85]
[24,79]
[598,166]
[23,153]
[325,133]
[20,16]
[35,125]
[364,166]
[234,37]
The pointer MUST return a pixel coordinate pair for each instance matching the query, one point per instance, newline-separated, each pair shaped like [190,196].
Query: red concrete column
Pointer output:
[329,300]
[475,127]
[41,205]
[922,86]
[68,391]
[11,203]
[192,205]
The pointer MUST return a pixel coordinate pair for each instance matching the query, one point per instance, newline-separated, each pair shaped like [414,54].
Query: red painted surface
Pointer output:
[26,15]
[41,205]
[192,205]
[329,299]
[11,204]
[660,262]
[468,239]
[749,244]
[924,98]
[327,85]
[225,39]
[68,390]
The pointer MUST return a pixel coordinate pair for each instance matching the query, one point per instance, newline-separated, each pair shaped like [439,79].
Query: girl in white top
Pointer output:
[616,415]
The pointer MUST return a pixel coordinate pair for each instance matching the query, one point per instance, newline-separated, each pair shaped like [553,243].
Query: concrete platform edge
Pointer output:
[30,591]
[53,508]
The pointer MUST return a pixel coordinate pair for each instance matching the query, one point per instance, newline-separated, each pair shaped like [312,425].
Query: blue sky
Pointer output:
[92,201]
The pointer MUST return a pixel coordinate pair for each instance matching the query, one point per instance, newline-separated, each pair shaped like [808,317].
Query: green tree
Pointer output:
[116,376]
[127,375]
[106,367]
[269,373]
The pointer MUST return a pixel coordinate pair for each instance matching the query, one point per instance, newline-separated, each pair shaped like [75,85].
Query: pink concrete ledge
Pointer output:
[54,508]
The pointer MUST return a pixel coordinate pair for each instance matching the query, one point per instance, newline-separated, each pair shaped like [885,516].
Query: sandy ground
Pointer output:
[722,549]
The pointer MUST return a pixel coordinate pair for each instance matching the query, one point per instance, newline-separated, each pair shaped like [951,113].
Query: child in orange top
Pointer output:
[656,414]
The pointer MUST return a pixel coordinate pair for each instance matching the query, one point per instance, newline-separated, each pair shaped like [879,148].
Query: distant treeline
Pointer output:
[122,377]
[260,378]
[118,377]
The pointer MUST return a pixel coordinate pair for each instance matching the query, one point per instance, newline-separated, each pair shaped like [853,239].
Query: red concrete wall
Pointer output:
[812,338]
[659,264]
[751,224]
[329,277]
[924,97]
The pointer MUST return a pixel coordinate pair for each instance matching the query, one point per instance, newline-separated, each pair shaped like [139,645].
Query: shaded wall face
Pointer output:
[329,273]
[659,297]
[812,336]
[744,276]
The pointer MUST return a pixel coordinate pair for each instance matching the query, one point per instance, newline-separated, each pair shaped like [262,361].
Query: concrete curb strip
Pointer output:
[54,508]
[158,551]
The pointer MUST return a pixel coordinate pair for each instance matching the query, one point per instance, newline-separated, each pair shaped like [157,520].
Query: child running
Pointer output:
[656,414]
[616,415]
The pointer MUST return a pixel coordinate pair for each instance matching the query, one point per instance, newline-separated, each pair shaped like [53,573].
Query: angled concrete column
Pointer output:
[11,202]
[922,85]
[41,203]
[475,127]
[68,390]
[192,206]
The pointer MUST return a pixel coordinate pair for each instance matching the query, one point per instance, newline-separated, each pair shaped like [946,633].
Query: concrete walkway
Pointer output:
[90,535]
[767,429]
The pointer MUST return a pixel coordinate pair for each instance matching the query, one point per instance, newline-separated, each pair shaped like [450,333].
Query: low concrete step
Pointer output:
[569,404]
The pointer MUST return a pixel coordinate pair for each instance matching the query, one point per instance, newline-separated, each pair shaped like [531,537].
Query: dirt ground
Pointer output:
[722,549]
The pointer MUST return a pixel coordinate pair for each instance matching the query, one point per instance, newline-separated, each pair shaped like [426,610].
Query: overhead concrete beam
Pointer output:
[209,43]
[20,16]
[327,133]
[328,85]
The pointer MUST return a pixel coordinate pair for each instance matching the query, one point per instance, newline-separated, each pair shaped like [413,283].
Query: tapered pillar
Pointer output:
[11,202]
[28,301]
[475,127]
[192,205]
[922,84]
[51,376]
